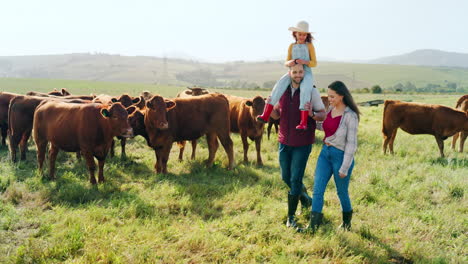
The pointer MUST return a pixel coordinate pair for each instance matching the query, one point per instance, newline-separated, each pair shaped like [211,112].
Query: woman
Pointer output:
[337,155]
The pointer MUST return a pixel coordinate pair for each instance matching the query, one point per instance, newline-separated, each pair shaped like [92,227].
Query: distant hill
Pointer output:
[427,57]
[238,74]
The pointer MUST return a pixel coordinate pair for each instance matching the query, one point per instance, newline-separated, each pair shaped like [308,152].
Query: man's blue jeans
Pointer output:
[328,163]
[293,161]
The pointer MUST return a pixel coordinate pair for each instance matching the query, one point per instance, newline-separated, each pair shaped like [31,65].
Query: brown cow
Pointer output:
[195,91]
[168,121]
[146,95]
[325,101]
[5,99]
[127,101]
[104,99]
[62,92]
[20,120]
[272,122]
[417,118]
[78,97]
[192,91]
[136,118]
[243,116]
[462,105]
[88,128]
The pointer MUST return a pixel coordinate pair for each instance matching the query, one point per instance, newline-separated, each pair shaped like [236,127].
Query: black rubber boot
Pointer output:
[306,200]
[315,222]
[293,200]
[347,216]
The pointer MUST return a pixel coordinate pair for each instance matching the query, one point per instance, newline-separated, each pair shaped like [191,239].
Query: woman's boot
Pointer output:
[347,216]
[315,222]
[293,200]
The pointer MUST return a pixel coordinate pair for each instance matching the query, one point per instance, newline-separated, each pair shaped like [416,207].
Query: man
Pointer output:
[296,145]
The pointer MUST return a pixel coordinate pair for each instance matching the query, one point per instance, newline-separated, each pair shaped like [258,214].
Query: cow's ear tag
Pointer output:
[105,113]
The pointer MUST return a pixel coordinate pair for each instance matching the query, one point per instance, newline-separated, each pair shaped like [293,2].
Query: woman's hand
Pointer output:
[342,175]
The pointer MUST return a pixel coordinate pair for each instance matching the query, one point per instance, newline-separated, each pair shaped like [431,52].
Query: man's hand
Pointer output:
[308,107]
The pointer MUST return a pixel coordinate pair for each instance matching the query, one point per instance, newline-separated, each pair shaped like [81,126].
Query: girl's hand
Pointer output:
[308,107]
[291,63]
[299,61]
[342,175]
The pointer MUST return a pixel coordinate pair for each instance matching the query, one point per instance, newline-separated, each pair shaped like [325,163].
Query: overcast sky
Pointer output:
[217,30]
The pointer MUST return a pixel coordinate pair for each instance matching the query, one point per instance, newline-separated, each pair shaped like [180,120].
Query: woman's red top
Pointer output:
[330,125]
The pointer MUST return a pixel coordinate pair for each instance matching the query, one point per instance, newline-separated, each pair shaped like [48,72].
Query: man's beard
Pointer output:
[296,81]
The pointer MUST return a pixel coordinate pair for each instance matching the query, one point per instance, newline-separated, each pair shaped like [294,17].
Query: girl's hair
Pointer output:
[308,39]
[340,88]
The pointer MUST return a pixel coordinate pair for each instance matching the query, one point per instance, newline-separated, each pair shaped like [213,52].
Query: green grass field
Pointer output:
[409,208]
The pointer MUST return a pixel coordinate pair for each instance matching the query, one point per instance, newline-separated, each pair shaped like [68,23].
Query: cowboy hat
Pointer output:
[301,26]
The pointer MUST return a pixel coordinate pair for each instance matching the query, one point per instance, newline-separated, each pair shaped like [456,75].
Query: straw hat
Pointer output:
[301,26]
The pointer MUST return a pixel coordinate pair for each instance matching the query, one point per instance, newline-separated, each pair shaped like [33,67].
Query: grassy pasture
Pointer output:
[409,208]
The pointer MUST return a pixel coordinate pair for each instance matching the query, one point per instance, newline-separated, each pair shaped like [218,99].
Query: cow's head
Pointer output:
[256,106]
[65,92]
[117,115]
[136,118]
[141,102]
[146,95]
[325,101]
[55,93]
[195,91]
[156,112]
[125,100]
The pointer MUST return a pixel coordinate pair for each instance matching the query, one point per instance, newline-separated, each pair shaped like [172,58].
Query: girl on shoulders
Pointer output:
[300,52]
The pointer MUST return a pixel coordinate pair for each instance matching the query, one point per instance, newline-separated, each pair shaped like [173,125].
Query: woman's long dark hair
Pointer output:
[340,88]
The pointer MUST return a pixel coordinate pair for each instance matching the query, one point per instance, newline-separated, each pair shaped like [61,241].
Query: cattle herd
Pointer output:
[88,124]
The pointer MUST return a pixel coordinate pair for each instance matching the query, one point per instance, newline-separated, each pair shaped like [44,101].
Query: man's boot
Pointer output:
[347,216]
[266,113]
[293,200]
[303,124]
[314,223]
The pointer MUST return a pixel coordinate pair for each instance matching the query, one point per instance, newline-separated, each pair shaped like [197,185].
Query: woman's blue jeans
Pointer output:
[293,161]
[328,164]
